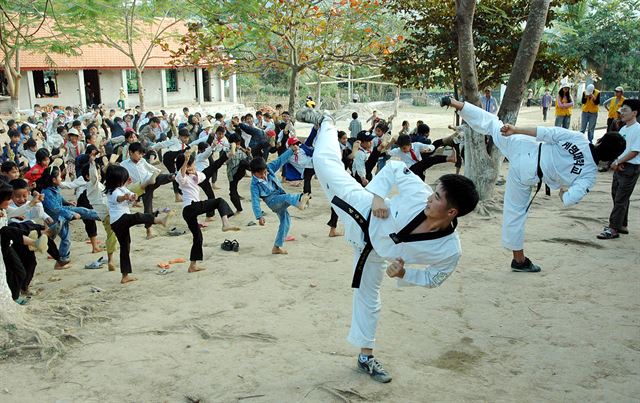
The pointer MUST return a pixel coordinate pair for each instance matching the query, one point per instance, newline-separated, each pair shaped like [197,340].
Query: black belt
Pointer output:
[547,190]
[364,226]
[404,235]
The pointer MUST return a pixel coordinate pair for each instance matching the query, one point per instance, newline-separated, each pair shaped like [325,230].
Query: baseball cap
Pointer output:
[271,133]
[364,136]
[292,140]
[618,88]
[73,132]
[589,89]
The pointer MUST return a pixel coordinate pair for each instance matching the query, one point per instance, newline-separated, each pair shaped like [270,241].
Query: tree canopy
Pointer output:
[429,55]
[289,36]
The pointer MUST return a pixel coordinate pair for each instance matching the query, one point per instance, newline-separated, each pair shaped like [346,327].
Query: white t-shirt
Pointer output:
[407,158]
[118,209]
[139,172]
[632,136]
[189,186]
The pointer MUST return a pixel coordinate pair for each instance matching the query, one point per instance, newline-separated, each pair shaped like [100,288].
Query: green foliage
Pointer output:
[429,56]
[604,34]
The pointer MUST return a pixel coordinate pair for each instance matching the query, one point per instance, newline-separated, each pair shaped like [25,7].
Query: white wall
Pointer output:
[110,83]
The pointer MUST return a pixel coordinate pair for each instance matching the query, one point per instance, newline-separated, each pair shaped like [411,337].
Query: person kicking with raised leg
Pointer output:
[415,228]
[561,158]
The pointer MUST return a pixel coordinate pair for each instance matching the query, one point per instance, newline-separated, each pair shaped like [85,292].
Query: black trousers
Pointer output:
[440,143]
[190,214]
[89,225]
[307,175]
[427,162]
[121,229]
[210,172]
[16,261]
[169,161]
[333,221]
[147,197]
[624,182]
[233,185]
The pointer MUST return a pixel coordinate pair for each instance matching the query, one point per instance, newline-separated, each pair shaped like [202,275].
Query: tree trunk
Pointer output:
[525,58]
[13,77]
[293,90]
[318,90]
[479,165]
[140,88]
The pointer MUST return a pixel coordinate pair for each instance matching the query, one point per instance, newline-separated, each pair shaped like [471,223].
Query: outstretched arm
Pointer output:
[431,276]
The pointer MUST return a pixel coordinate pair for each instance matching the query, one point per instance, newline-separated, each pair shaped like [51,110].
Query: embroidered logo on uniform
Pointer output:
[407,171]
[440,277]
[350,211]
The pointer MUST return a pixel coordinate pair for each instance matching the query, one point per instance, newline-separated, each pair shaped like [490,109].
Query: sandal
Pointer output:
[235,246]
[175,231]
[97,264]
[607,233]
[227,245]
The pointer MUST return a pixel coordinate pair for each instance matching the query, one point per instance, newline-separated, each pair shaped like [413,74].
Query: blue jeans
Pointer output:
[65,242]
[279,205]
[563,121]
[588,123]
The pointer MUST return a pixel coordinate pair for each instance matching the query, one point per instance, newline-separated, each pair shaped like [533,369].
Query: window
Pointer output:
[132,82]
[45,83]
[172,80]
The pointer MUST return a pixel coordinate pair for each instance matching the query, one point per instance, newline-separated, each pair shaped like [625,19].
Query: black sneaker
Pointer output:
[309,115]
[373,367]
[445,101]
[525,267]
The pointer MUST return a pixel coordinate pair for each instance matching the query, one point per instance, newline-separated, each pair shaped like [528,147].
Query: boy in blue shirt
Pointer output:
[265,185]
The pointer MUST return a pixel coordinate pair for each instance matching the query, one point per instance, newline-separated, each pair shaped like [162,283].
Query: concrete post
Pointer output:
[126,90]
[233,89]
[200,86]
[221,89]
[163,88]
[32,90]
[81,92]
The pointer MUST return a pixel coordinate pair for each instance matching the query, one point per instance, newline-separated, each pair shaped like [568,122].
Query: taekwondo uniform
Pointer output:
[436,253]
[563,160]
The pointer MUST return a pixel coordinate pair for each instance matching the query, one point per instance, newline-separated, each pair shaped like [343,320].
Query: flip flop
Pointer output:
[164,272]
[227,245]
[96,264]
[177,260]
[290,238]
[163,265]
[176,232]
[203,225]
[235,246]
[251,224]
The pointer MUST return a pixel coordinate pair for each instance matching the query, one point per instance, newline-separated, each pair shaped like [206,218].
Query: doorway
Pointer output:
[92,87]
[206,85]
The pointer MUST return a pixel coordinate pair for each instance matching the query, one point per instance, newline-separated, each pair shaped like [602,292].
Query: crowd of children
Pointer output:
[113,162]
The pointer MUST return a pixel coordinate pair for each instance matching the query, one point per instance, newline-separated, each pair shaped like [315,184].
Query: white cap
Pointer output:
[589,89]
[73,131]
[618,88]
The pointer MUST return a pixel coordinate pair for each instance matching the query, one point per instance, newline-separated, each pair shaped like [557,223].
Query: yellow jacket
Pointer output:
[562,107]
[591,104]
[614,105]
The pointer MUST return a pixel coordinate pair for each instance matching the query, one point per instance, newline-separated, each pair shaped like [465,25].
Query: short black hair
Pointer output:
[6,191]
[46,180]
[382,125]
[341,133]
[184,132]
[219,115]
[423,129]
[403,140]
[257,164]
[221,129]
[136,147]
[60,129]
[76,123]
[608,147]
[460,192]
[634,104]
[41,154]
[14,133]
[8,166]
[354,115]
[180,160]
[155,119]
[30,143]
[127,135]
[115,177]
[202,146]
[18,184]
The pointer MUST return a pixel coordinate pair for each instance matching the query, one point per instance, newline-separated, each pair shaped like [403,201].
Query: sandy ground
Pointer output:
[260,328]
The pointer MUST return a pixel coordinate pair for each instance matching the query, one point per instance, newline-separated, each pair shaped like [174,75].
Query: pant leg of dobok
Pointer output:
[367,303]
[336,181]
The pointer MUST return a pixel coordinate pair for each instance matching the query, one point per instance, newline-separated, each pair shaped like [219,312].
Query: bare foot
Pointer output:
[193,268]
[149,233]
[61,265]
[226,228]
[304,199]
[238,212]
[333,232]
[111,266]
[163,220]
[453,157]
[209,219]
[178,198]
[97,249]
[127,279]
[278,251]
